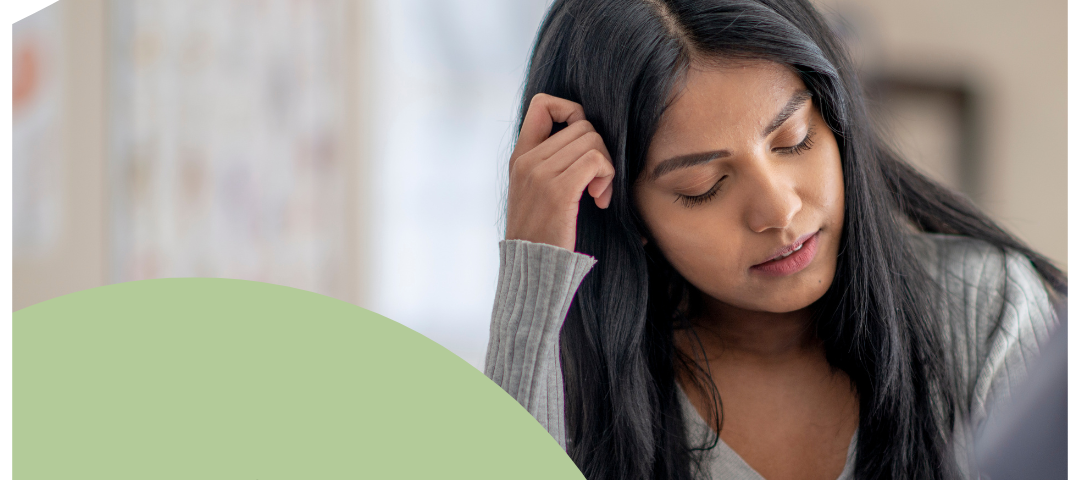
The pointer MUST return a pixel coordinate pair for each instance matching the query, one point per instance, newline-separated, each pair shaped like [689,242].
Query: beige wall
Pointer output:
[1015,54]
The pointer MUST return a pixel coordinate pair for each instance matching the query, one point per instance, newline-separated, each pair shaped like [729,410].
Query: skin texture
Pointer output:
[786,412]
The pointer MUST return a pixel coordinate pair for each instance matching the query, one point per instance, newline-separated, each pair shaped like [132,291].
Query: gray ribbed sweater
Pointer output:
[997,314]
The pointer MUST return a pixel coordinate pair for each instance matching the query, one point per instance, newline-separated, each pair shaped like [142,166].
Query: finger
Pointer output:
[592,171]
[601,185]
[562,139]
[604,200]
[570,153]
[544,111]
[553,147]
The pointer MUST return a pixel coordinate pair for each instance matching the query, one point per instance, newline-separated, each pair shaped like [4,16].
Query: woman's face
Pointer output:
[742,169]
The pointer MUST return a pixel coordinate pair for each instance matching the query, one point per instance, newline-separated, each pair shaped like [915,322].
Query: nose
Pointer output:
[773,200]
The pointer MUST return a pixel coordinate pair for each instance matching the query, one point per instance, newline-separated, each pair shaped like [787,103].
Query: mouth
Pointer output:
[791,258]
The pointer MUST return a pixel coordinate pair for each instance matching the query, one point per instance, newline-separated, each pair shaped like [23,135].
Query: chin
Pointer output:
[787,307]
[788,303]
[770,303]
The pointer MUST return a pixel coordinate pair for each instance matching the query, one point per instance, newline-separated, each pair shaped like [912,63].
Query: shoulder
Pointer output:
[988,279]
[958,255]
[996,313]
[979,273]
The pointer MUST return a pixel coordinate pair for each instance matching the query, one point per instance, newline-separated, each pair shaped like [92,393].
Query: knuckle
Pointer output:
[537,175]
[517,168]
[516,178]
[541,171]
[526,173]
[602,168]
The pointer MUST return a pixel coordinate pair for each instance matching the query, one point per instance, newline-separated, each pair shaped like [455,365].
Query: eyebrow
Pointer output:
[691,159]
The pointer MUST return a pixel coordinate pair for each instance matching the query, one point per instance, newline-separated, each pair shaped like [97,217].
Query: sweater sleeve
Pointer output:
[999,316]
[536,285]
[1016,333]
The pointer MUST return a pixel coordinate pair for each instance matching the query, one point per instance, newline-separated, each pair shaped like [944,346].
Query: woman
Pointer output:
[758,286]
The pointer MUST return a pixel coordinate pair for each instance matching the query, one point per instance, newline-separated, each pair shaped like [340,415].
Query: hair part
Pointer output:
[671,24]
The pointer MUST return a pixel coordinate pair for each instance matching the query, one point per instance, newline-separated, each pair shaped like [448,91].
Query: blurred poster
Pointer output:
[37,132]
[226,151]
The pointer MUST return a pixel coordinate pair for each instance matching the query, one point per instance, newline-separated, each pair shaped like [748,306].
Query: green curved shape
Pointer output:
[211,378]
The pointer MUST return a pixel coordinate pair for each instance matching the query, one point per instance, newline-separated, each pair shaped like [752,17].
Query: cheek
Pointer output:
[828,190]
[826,182]
[835,187]
[697,242]
[693,246]
[838,196]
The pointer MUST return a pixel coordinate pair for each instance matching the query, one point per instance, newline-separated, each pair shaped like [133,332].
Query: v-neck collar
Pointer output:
[723,462]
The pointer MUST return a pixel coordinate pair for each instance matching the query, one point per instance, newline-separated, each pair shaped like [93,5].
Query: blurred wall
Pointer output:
[1012,56]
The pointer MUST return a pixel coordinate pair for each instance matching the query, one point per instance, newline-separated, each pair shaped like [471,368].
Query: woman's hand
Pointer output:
[549,172]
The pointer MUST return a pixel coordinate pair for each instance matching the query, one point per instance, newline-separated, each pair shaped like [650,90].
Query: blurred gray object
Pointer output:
[1028,437]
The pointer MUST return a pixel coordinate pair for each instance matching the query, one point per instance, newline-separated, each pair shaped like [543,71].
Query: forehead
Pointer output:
[723,102]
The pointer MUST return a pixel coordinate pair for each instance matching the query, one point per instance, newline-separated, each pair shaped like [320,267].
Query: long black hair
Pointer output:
[622,59]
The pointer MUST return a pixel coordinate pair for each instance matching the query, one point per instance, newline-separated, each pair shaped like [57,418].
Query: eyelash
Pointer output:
[691,201]
[803,146]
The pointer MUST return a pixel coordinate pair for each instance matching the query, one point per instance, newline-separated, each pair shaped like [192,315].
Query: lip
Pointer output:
[795,262]
[787,248]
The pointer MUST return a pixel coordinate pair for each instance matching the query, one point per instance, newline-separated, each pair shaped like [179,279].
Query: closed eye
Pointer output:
[804,145]
[691,201]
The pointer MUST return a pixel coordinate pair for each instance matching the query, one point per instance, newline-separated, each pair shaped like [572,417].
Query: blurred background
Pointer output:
[358,149]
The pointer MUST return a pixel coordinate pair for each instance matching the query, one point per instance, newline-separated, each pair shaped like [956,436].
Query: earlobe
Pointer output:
[644,241]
